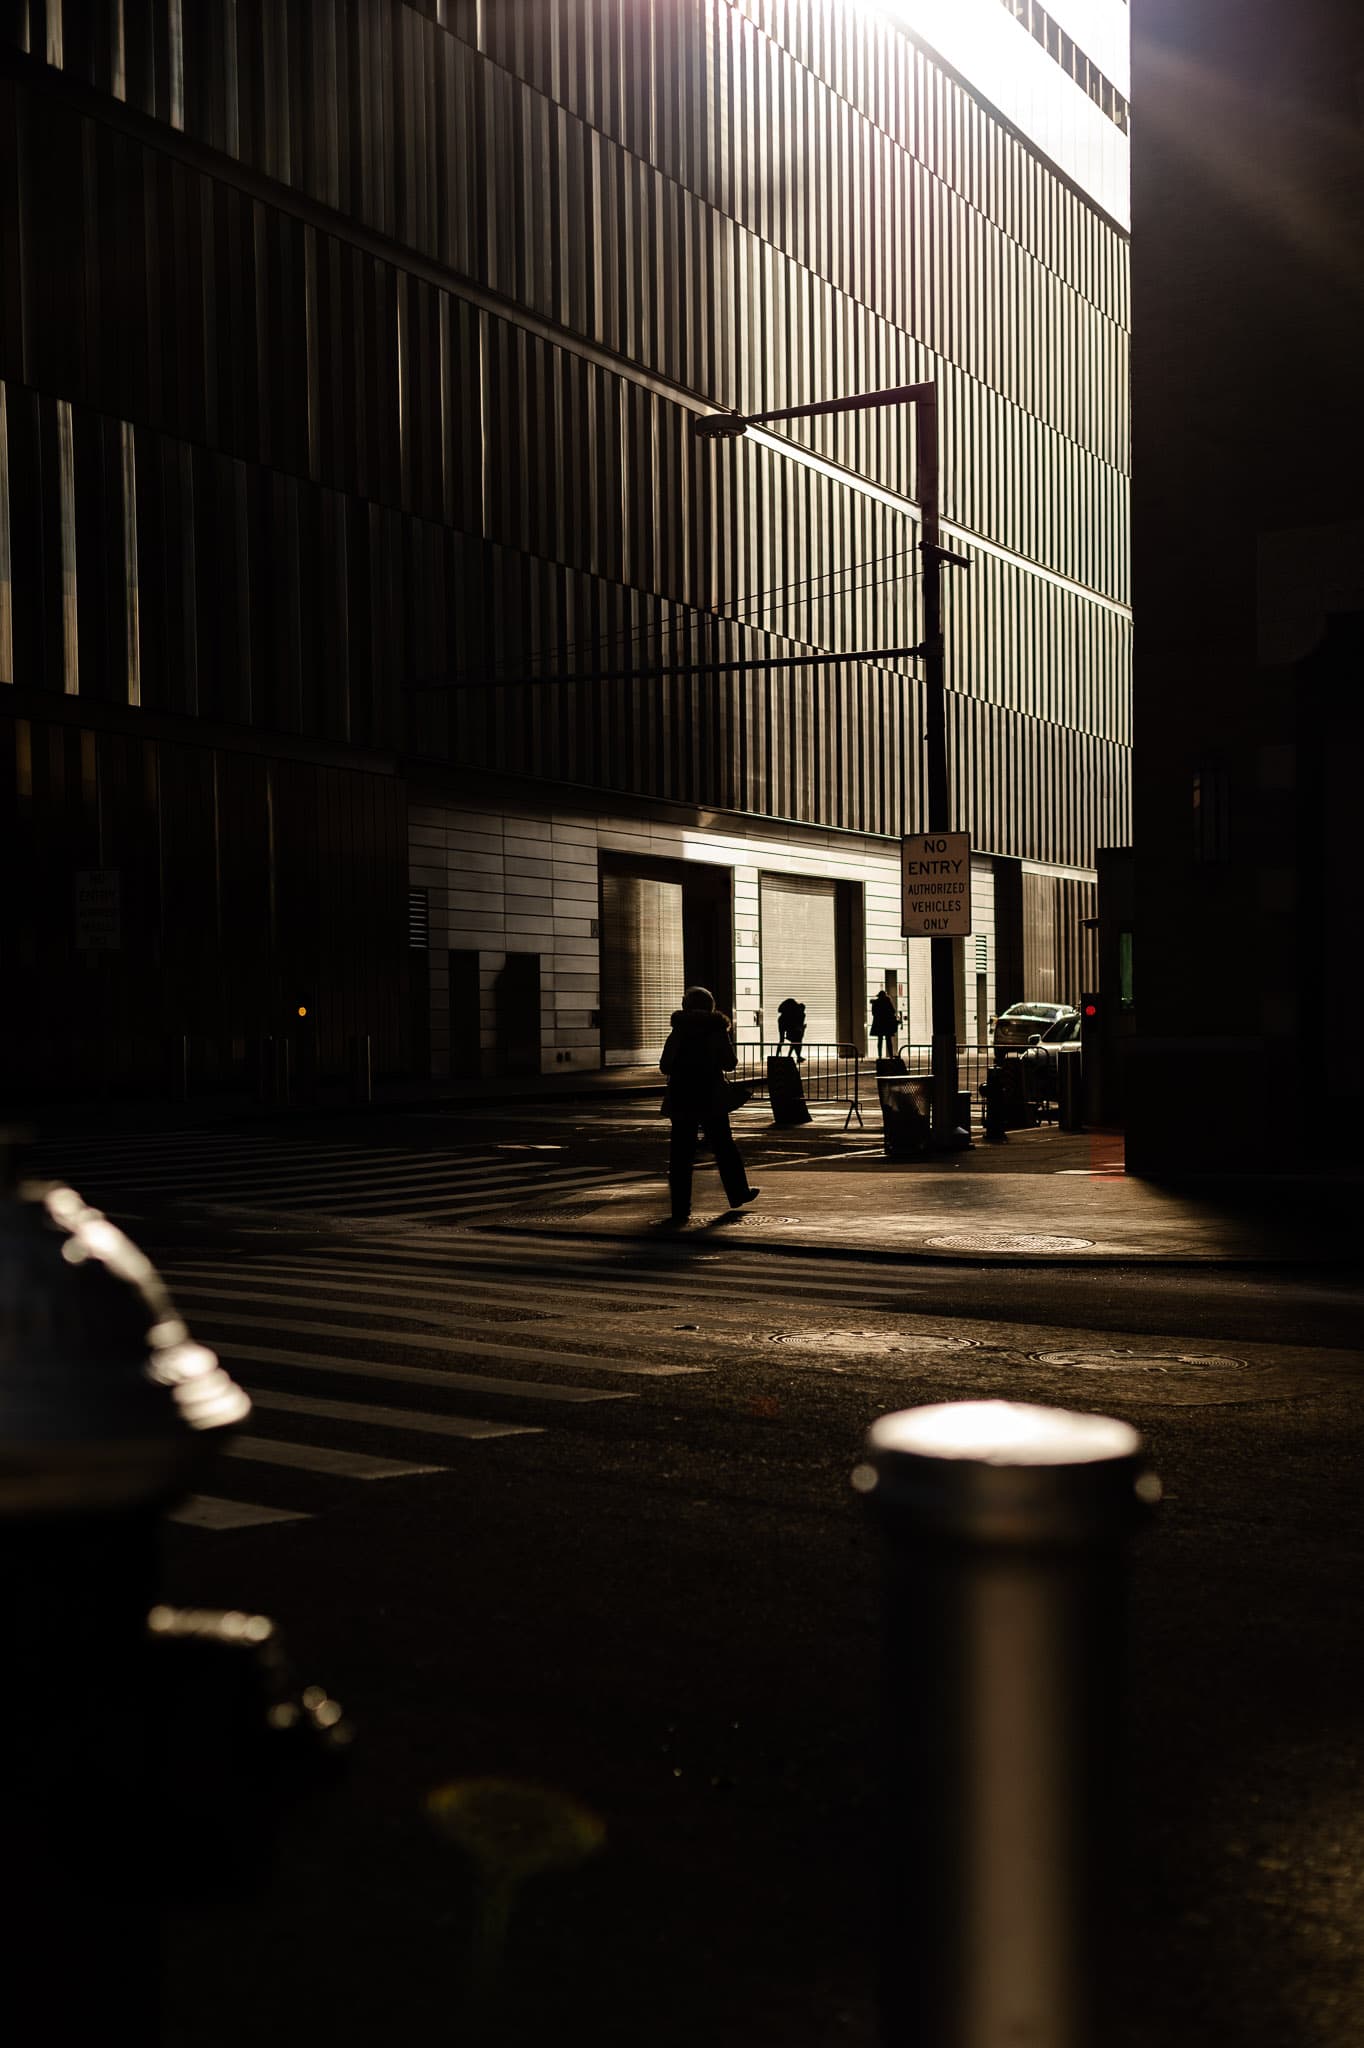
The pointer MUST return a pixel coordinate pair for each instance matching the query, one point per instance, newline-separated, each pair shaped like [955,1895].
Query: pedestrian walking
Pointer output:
[791,1026]
[699,1054]
[885,1023]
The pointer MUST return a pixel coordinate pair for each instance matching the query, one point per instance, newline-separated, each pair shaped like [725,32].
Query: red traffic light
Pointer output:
[1091,1009]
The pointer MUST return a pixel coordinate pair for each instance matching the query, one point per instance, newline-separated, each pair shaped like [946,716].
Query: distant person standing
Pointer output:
[699,1053]
[791,1026]
[884,1024]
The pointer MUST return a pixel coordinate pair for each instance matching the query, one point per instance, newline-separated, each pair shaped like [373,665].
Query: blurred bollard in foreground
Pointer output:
[110,1739]
[1004,1528]
[107,1411]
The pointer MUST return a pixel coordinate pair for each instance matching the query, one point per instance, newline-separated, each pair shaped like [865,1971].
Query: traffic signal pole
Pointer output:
[924,399]
[941,961]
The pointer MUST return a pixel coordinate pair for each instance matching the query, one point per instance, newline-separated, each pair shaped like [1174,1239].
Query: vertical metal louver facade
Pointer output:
[375,358]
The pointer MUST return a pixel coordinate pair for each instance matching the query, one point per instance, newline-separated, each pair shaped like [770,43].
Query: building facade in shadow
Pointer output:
[1248,559]
[348,362]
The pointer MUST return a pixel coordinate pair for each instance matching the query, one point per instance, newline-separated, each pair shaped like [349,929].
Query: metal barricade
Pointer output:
[828,1073]
[834,1073]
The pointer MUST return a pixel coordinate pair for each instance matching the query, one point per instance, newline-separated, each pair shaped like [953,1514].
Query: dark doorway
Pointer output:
[419,1000]
[466,1020]
[665,924]
[516,1014]
[850,933]
[707,945]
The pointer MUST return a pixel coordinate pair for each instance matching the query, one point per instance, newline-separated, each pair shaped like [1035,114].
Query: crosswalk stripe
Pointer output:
[286,1295]
[577,1290]
[430,1201]
[534,1251]
[407,1375]
[287,1174]
[544,1252]
[212,1147]
[283,1166]
[420,1301]
[206,1511]
[389,1418]
[389,1173]
[451,1262]
[528,1354]
[260,1450]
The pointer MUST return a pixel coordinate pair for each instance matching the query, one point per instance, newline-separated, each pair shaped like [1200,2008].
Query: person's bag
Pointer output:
[731,1095]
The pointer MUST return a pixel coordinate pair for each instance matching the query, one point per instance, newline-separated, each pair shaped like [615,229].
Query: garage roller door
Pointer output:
[800,953]
[641,966]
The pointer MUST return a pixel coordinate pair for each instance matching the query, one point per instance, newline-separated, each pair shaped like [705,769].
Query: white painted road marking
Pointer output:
[204,1511]
[388,1418]
[260,1450]
[407,1375]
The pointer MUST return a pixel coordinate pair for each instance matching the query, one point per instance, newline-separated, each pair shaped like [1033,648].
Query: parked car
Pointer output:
[1036,1025]
[1042,1060]
[1035,1038]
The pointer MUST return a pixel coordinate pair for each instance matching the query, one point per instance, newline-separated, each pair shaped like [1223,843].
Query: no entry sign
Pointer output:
[935,885]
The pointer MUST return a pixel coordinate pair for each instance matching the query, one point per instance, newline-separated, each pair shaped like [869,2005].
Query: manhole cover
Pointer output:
[1010,1241]
[1141,1361]
[767,1219]
[870,1343]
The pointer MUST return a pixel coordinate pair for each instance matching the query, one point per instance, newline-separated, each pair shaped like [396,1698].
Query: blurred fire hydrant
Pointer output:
[144,1750]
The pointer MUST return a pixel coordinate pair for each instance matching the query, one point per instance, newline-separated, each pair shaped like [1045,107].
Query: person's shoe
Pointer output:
[744,1200]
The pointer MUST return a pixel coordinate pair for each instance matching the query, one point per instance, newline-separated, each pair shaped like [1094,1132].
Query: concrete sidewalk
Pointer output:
[1045,1198]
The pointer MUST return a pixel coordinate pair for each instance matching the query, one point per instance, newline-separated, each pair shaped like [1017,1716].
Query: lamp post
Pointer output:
[924,399]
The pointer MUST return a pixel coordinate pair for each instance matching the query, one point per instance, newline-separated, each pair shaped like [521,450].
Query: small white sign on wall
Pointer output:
[935,885]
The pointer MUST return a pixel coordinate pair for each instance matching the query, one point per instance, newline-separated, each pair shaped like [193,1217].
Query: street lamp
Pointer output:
[924,399]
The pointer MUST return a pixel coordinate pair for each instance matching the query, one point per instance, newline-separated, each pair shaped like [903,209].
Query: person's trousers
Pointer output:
[682,1158]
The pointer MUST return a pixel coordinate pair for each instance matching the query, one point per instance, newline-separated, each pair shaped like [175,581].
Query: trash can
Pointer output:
[906,1114]
[1019,1110]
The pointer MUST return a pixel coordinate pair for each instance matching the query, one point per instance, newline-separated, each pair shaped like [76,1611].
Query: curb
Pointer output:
[885,1255]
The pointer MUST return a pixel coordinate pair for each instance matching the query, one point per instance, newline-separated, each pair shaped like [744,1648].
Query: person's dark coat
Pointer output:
[884,1022]
[699,1053]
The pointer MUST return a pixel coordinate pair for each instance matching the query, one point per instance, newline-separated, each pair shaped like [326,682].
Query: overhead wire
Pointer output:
[693,617]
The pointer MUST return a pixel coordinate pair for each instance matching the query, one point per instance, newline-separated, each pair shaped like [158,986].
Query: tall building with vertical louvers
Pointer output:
[372,622]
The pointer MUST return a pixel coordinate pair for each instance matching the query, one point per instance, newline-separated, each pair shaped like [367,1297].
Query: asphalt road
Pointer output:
[647,1585]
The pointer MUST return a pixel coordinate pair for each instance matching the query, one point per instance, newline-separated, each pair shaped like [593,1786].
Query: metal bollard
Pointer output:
[1004,1526]
[996,1121]
[1068,1093]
